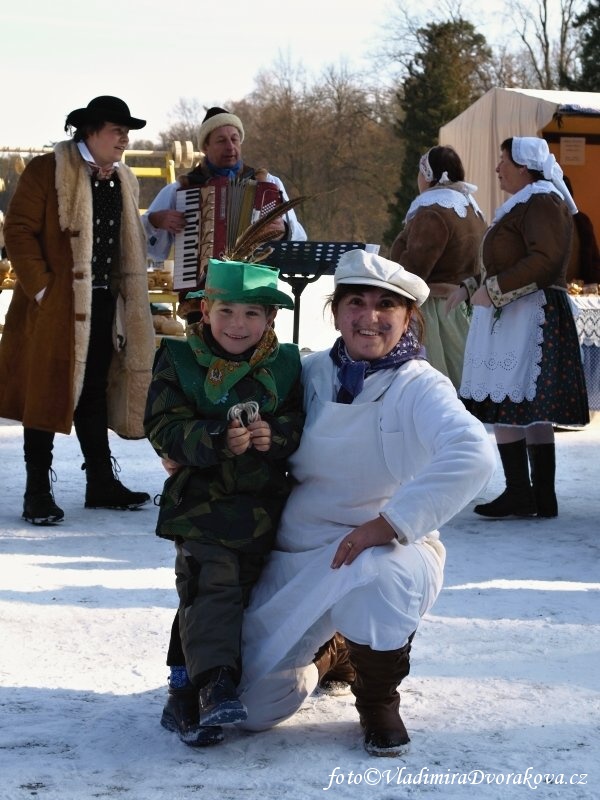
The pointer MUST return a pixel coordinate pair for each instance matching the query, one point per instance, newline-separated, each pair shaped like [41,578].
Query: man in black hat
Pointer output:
[220,137]
[78,341]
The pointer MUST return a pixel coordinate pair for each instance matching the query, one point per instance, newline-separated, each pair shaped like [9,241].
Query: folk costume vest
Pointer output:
[237,500]
[277,372]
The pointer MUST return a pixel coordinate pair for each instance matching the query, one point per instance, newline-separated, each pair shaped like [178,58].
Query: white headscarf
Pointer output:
[533,152]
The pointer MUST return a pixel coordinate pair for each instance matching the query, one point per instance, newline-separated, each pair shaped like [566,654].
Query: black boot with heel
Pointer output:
[517,500]
[542,458]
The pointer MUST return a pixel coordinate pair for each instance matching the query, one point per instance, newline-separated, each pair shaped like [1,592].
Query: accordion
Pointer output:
[216,214]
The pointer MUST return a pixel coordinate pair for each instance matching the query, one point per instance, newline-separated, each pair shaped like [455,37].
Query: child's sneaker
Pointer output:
[180,715]
[218,699]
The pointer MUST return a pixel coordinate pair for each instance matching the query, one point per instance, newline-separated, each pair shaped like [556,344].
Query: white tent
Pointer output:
[477,133]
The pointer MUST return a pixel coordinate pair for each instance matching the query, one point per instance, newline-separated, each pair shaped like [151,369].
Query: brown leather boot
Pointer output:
[336,673]
[378,673]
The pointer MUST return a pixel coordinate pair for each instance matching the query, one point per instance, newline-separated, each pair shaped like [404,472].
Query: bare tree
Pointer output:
[544,46]
[546,31]
[510,69]
[186,116]
[330,138]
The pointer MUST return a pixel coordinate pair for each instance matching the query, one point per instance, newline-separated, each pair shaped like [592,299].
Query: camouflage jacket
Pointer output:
[217,496]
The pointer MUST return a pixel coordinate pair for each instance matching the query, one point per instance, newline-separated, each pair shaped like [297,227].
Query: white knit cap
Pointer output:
[369,269]
[217,118]
[533,152]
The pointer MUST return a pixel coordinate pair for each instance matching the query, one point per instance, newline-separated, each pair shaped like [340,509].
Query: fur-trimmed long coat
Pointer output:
[43,350]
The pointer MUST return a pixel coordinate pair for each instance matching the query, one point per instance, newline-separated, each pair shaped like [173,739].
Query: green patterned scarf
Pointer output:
[223,373]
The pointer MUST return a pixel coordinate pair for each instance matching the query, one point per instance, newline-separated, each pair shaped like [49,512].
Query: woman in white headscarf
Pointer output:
[522,369]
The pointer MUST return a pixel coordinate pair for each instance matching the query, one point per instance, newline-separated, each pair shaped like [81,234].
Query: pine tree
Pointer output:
[588,23]
[444,78]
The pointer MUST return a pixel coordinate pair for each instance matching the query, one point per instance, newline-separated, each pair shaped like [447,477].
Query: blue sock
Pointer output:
[178,678]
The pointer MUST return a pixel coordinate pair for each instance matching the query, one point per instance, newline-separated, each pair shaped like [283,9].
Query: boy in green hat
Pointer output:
[224,412]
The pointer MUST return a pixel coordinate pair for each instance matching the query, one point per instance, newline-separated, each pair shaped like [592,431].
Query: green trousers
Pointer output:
[214,584]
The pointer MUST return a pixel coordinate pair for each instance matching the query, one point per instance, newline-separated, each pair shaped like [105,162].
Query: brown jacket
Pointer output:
[439,246]
[528,248]
[43,350]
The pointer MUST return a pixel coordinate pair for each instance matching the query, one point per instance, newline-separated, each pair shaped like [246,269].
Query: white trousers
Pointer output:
[388,609]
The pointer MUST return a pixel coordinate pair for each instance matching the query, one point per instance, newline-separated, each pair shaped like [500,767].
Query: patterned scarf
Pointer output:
[223,371]
[226,172]
[102,173]
[352,374]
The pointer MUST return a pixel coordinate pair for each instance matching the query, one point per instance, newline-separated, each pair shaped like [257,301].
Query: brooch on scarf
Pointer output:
[215,375]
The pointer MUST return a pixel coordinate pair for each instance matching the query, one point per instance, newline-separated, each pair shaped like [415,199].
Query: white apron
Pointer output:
[299,601]
[503,351]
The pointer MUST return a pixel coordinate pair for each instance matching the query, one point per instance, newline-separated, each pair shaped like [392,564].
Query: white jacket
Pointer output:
[407,449]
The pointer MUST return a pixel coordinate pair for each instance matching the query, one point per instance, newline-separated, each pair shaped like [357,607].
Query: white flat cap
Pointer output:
[369,269]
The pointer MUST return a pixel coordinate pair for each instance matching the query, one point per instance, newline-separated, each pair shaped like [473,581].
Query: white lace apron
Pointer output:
[504,351]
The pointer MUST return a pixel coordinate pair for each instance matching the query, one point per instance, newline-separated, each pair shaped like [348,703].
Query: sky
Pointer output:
[57,56]
[503,697]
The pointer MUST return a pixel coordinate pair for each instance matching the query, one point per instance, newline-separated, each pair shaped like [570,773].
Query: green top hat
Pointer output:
[240,282]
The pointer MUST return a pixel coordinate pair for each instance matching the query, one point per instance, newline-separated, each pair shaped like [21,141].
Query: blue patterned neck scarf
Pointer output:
[352,374]
[226,172]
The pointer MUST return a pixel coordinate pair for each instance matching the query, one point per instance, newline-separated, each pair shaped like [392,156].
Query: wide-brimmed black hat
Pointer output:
[104,109]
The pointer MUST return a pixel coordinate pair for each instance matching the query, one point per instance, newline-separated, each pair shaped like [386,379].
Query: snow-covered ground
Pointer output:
[503,699]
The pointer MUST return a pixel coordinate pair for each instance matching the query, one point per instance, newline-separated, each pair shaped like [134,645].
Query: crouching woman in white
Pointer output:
[388,455]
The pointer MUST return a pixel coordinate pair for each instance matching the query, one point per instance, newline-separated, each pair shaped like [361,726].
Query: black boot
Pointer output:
[378,673]
[104,490]
[39,507]
[542,458]
[180,715]
[517,499]
[218,699]
[336,673]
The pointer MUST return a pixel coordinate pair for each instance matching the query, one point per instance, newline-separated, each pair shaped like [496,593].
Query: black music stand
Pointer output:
[301,263]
